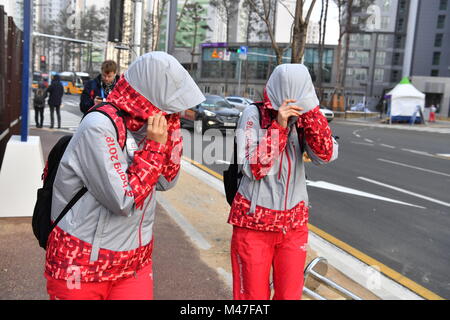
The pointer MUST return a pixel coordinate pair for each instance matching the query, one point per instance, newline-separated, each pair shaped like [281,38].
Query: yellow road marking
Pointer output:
[394,275]
[208,170]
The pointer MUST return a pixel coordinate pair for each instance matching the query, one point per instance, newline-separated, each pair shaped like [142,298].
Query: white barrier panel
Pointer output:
[20,176]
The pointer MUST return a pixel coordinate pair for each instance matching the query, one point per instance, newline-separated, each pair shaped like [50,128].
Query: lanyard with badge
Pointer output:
[103,94]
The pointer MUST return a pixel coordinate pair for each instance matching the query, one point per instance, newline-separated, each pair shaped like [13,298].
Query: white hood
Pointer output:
[292,81]
[163,81]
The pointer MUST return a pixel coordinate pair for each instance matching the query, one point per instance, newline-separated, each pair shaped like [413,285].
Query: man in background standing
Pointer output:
[97,90]
[55,92]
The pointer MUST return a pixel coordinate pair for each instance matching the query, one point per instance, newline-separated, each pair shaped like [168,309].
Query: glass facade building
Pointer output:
[260,63]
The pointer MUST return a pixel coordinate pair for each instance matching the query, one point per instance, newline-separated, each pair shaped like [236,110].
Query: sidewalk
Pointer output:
[69,121]
[436,127]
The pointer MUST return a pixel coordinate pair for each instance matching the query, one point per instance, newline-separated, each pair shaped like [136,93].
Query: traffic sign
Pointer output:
[227,56]
[242,51]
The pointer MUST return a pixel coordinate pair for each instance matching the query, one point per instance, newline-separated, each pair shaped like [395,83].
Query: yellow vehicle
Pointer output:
[73,82]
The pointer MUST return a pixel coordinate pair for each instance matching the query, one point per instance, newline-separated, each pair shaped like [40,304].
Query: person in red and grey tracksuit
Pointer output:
[269,213]
[102,248]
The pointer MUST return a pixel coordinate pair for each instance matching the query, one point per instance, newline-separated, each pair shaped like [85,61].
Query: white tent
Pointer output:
[404,100]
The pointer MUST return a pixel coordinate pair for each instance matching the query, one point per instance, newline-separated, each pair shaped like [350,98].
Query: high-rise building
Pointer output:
[429,62]
[400,38]
[376,48]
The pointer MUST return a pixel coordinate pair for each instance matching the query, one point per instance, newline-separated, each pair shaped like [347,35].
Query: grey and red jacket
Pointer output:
[107,235]
[272,194]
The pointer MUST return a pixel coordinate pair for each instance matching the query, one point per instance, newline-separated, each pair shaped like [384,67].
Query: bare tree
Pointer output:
[346,8]
[147,30]
[322,33]
[228,10]
[157,21]
[300,30]
[194,20]
[252,22]
[265,9]
[92,28]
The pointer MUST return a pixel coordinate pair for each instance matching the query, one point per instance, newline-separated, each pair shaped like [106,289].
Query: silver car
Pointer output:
[239,102]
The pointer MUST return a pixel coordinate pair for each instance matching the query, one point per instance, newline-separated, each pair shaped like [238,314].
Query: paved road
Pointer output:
[403,218]
[411,240]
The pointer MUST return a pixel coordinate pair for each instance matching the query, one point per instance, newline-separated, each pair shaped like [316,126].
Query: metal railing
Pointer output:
[315,275]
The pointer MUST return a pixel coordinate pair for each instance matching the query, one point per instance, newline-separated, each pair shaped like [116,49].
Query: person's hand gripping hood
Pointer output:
[292,81]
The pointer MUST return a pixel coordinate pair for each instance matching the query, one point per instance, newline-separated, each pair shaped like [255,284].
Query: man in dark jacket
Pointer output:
[55,92]
[97,90]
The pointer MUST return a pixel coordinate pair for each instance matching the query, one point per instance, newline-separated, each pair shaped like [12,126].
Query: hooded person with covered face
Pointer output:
[269,213]
[102,248]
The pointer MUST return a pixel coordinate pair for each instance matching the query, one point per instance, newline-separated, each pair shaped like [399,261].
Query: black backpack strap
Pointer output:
[69,206]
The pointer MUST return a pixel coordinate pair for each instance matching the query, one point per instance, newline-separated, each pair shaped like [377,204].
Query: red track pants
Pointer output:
[432,117]
[253,253]
[134,288]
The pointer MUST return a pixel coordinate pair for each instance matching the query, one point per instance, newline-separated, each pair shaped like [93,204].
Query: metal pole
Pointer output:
[172,26]
[137,28]
[312,294]
[334,285]
[239,81]
[26,68]
[317,269]
[409,45]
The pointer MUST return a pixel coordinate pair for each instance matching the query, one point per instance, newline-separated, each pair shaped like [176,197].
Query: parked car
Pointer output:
[239,102]
[214,112]
[327,113]
[359,107]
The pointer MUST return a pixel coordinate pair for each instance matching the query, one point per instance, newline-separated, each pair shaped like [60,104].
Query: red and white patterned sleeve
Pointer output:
[320,144]
[144,172]
[172,158]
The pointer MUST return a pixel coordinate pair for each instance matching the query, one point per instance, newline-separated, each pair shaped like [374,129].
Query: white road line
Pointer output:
[387,146]
[363,143]
[406,191]
[368,140]
[419,152]
[188,228]
[444,155]
[222,162]
[338,188]
[355,133]
[414,167]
